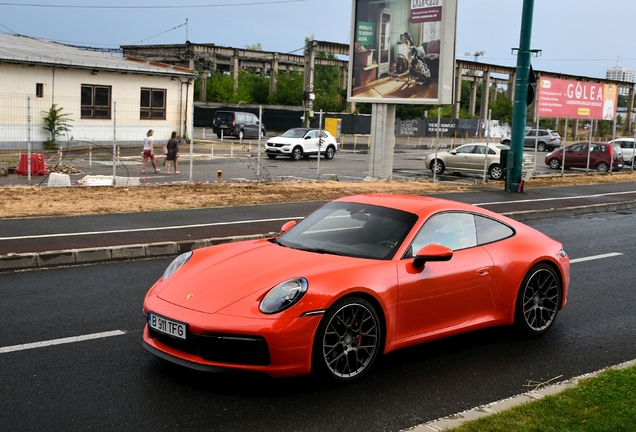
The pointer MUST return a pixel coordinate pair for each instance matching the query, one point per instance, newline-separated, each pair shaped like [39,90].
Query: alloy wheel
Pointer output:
[351,340]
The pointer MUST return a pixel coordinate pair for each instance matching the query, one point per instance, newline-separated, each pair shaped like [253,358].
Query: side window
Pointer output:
[253,120]
[152,104]
[467,149]
[453,230]
[96,101]
[480,149]
[241,118]
[491,151]
[313,134]
[489,230]
[578,147]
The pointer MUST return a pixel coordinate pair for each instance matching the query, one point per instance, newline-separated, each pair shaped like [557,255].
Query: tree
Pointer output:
[256,47]
[56,124]
[501,108]
[289,89]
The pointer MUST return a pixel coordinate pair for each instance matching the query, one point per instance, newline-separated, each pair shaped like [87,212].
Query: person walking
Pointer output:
[173,152]
[149,152]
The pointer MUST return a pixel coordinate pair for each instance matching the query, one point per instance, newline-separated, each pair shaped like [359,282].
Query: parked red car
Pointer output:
[601,156]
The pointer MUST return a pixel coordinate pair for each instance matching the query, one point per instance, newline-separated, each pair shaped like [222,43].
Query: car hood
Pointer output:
[283,140]
[216,277]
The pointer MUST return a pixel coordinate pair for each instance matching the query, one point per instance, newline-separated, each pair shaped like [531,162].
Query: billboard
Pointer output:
[560,98]
[403,51]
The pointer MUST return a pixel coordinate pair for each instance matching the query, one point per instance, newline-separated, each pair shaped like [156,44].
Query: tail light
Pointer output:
[234,123]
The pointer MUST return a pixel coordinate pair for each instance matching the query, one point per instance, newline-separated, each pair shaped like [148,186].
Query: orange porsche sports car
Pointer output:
[360,276]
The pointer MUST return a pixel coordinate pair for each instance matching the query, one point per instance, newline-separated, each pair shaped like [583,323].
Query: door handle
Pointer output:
[483,271]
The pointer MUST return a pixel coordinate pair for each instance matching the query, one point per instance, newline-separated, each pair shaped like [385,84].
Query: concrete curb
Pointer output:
[458,419]
[68,257]
[31,260]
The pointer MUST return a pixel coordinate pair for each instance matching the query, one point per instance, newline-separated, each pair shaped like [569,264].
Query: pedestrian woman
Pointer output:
[173,152]
[149,152]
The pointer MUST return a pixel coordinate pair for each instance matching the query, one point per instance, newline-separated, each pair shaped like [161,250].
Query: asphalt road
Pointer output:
[55,233]
[112,383]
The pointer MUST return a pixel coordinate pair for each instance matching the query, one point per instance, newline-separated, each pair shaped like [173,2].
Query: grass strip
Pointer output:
[606,402]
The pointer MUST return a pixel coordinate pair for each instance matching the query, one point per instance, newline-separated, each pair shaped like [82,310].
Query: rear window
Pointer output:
[225,116]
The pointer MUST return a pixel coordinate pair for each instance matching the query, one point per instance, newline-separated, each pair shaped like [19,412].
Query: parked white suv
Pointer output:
[627,145]
[300,143]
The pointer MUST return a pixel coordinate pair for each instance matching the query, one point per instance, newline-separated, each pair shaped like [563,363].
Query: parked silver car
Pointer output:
[469,158]
[546,139]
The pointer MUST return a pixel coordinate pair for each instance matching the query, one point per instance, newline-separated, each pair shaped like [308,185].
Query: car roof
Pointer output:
[409,203]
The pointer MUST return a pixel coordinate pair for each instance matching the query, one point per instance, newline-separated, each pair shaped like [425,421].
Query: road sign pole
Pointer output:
[513,180]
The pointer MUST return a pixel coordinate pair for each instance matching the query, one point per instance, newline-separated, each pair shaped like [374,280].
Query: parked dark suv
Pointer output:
[546,139]
[601,156]
[238,124]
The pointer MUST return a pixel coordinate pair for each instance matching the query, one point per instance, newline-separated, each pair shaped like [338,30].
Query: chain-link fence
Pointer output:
[96,151]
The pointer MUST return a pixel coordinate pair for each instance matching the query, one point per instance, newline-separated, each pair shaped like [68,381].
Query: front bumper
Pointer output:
[277,347]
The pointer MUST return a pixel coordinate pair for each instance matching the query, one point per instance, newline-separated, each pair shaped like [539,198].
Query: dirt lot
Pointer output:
[36,201]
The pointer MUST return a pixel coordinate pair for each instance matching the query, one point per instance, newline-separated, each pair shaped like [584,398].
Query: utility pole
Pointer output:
[520,106]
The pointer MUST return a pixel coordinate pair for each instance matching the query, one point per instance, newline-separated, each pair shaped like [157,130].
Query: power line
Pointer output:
[150,7]
[2,25]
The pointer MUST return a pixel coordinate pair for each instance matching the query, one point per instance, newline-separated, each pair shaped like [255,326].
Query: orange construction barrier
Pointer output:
[38,164]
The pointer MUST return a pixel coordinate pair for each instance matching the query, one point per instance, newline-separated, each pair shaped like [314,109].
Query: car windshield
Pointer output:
[295,133]
[351,229]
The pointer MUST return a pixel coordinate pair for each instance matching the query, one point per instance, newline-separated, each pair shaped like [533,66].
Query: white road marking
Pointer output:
[595,257]
[39,236]
[60,341]
[555,199]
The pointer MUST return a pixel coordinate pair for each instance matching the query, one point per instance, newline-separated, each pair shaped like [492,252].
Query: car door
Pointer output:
[459,160]
[310,143]
[251,126]
[443,294]
[576,155]
[476,161]
[530,138]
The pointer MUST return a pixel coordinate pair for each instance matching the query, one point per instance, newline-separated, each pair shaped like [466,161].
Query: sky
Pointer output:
[576,37]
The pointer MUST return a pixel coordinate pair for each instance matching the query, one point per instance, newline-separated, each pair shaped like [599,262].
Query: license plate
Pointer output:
[223,127]
[167,326]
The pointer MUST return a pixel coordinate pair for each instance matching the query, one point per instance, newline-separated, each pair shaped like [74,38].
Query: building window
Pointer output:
[96,101]
[153,104]
[39,90]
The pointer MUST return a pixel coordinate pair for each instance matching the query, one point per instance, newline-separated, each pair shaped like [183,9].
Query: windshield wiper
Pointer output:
[324,251]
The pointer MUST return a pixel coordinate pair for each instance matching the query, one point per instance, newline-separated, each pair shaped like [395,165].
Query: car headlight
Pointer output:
[283,296]
[176,264]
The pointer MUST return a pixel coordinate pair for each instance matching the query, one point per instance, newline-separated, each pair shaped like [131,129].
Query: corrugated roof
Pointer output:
[22,49]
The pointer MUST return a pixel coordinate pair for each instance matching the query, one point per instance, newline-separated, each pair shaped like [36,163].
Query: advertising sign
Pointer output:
[560,98]
[403,51]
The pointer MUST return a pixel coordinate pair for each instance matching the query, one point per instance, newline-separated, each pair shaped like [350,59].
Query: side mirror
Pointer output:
[307,137]
[432,253]
[287,226]
[453,152]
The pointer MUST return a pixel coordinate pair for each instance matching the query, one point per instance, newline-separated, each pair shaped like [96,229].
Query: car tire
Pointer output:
[437,166]
[297,153]
[541,147]
[241,135]
[218,135]
[495,172]
[538,300]
[602,167]
[271,156]
[330,153]
[261,134]
[554,163]
[348,340]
